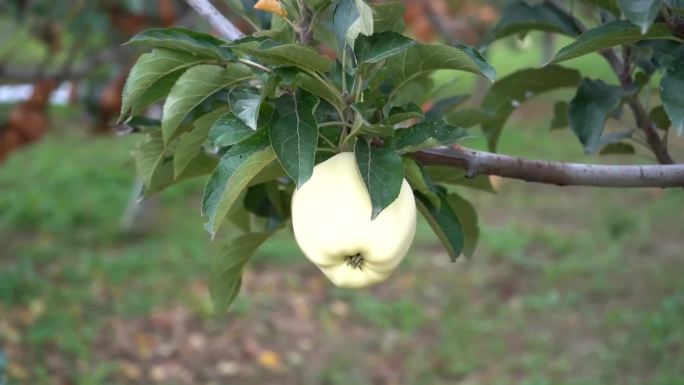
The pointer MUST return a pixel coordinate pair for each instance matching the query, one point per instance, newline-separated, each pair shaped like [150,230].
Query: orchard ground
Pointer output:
[568,286]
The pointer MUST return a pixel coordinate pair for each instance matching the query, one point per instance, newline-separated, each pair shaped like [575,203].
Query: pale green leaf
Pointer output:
[236,168]
[608,35]
[193,87]
[148,73]
[226,268]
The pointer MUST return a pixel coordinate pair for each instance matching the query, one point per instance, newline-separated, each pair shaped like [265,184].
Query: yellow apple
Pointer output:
[331,217]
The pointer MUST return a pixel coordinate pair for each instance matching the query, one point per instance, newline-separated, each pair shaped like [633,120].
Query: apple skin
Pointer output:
[331,217]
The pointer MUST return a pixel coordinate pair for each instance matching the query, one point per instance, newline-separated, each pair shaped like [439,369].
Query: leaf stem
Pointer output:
[332,145]
[328,124]
[254,64]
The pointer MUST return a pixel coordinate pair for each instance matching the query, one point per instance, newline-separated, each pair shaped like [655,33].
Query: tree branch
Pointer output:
[208,12]
[559,173]
[486,163]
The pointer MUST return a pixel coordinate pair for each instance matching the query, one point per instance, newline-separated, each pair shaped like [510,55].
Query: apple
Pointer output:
[331,217]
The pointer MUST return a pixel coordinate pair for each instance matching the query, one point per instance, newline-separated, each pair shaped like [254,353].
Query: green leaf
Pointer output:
[519,18]
[618,148]
[589,110]
[164,175]
[403,113]
[351,19]
[229,130]
[184,40]
[443,106]
[641,12]
[193,87]
[469,117]
[659,117]
[320,89]
[672,92]
[293,54]
[450,175]
[561,115]
[388,16]
[226,268]
[382,171]
[149,73]
[467,217]
[426,135]
[294,135]
[245,105]
[608,5]
[380,46]
[148,155]
[361,26]
[420,58]
[235,170]
[190,143]
[508,93]
[420,180]
[618,32]
[444,222]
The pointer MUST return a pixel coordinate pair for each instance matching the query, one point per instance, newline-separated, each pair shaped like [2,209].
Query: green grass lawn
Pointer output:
[569,286]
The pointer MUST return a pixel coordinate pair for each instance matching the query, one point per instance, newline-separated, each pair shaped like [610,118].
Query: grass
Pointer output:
[568,286]
[573,286]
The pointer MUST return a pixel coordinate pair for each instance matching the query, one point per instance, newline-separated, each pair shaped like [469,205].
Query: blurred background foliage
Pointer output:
[568,286]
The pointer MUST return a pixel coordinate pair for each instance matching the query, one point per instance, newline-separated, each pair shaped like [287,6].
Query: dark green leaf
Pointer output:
[229,130]
[561,118]
[467,217]
[444,223]
[617,148]
[245,105]
[190,143]
[293,54]
[641,12]
[589,110]
[226,268]
[403,113]
[193,87]
[185,40]
[235,170]
[426,135]
[608,5]
[388,16]
[164,177]
[420,181]
[444,106]
[264,200]
[380,46]
[519,18]
[320,89]
[508,93]
[469,117]
[148,73]
[672,94]
[659,117]
[148,155]
[608,35]
[419,59]
[382,171]
[294,135]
